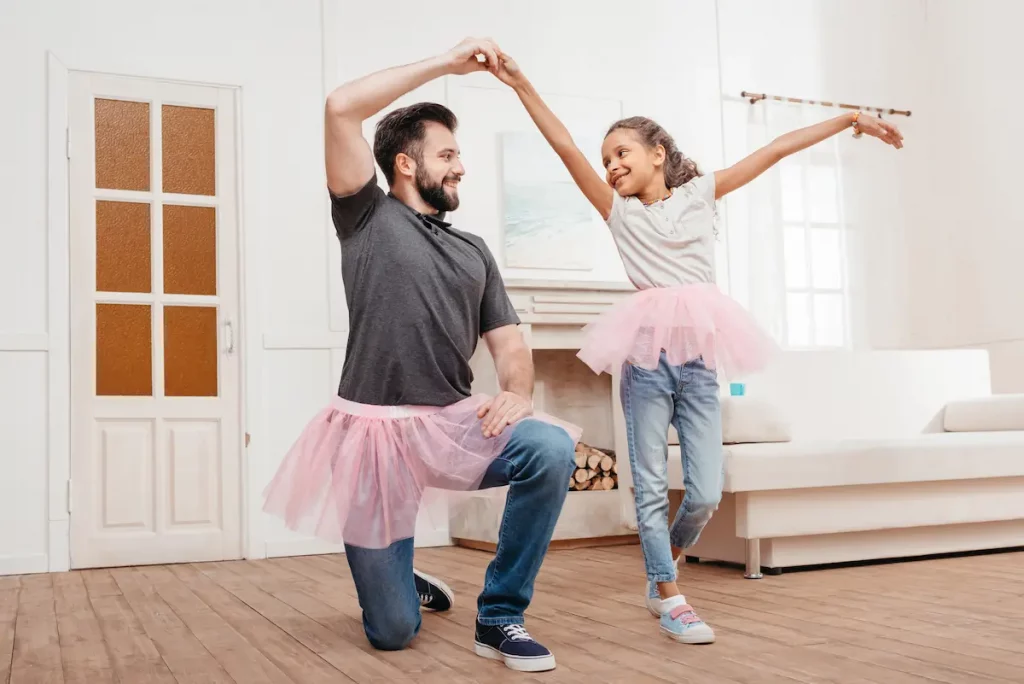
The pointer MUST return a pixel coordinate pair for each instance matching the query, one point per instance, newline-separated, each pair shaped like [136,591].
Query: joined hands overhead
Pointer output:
[472,54]
[482,54]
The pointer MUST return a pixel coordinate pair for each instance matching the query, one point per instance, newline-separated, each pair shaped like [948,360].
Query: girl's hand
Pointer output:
[508,71]
[883,130]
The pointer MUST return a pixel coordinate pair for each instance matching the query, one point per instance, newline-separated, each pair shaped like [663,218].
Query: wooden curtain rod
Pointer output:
[757,97]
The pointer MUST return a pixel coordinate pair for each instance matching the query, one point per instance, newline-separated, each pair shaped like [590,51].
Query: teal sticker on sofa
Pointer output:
[737,389]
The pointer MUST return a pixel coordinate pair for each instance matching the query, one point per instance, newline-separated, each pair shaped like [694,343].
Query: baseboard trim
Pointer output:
[60,546]
[557,544]
[858,563]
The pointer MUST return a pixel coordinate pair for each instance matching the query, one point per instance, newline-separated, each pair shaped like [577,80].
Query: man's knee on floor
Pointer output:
[393,633]
[550,448]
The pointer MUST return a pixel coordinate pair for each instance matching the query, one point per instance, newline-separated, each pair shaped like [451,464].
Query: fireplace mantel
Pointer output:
[554,312]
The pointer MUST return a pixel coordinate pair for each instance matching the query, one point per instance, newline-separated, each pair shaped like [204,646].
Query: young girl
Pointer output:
[670,338]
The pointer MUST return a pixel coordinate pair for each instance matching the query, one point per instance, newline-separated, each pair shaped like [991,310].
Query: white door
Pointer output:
[155,373]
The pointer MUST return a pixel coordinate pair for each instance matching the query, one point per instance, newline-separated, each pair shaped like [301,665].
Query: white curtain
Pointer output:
[791,259]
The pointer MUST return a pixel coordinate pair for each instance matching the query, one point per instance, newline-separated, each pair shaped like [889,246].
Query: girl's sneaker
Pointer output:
[680,622]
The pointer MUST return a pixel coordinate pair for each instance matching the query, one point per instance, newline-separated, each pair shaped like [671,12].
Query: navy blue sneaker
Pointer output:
[435,595]
[514,646]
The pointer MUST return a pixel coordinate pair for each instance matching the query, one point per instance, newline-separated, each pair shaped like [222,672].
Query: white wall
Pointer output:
[272,51]
[968,246]
[816,49]
[588,80]
[810,48]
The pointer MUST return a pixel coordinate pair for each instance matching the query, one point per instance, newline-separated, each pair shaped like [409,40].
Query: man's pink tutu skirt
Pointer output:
[357,472]
[687,322]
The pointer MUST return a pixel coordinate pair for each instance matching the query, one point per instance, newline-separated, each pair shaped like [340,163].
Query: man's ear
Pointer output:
[405,165]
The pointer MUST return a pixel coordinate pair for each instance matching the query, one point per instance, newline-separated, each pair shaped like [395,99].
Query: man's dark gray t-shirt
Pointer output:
[420,294]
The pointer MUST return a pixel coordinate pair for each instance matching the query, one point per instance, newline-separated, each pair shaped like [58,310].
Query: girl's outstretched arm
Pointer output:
[593,186]
[749,168]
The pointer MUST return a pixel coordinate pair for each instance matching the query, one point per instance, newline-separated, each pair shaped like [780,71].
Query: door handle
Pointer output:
[230,334]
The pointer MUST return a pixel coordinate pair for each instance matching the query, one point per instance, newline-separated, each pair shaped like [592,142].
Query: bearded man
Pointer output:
[420,295]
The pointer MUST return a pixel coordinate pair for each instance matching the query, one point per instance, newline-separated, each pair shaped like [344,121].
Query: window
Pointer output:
[813,249]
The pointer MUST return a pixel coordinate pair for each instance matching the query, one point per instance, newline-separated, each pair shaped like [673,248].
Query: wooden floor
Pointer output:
[297,620]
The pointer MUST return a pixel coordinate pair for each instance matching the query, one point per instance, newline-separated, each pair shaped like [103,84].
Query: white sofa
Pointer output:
[891,455]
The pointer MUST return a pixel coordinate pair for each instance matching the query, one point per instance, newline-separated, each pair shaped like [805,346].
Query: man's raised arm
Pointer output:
[348,156]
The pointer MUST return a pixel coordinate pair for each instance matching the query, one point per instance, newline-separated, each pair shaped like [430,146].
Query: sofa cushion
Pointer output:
[746,420]
[922,458]
[999,412]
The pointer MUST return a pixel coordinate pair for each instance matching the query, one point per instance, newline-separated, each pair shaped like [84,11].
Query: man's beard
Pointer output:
[433,193]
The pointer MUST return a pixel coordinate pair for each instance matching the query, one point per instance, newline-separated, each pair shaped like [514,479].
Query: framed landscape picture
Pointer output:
[548,223]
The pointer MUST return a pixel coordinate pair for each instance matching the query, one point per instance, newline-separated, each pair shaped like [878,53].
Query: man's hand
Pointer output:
[502,411]
[465,58]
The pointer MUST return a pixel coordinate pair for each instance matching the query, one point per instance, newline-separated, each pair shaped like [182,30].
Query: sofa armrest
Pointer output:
[746,420]
[1001,412]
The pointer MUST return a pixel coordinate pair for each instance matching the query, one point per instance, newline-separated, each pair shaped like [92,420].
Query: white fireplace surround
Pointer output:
[553,314]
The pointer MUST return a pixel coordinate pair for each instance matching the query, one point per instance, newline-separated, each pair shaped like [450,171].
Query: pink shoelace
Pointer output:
[687,614]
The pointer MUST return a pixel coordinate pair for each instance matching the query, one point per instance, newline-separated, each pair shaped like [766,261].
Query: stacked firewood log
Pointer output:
[595,470]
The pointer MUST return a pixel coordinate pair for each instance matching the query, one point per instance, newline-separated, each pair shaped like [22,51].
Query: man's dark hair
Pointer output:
[401,132]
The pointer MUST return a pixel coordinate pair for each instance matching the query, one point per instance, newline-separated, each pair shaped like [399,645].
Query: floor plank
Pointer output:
[298,620]
[133,655]
[37,658]
[185,656]
[344,655]
[82,648]
[455,642]
[337,590]
[296,661]
[243,661]
[9,591]
[604,627]
[322,602]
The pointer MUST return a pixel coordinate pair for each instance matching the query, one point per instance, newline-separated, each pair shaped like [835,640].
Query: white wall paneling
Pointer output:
[332,16]
[24,544]
[281,209]
[968,236]
[59,359]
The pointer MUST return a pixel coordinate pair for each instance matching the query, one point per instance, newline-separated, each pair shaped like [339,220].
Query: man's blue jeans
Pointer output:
[536,464]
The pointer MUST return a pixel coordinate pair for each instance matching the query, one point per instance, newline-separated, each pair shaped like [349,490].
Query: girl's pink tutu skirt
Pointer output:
[687,322]
[357,472]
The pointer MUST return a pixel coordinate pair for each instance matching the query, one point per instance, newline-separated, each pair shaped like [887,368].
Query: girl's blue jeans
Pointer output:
[685,396]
